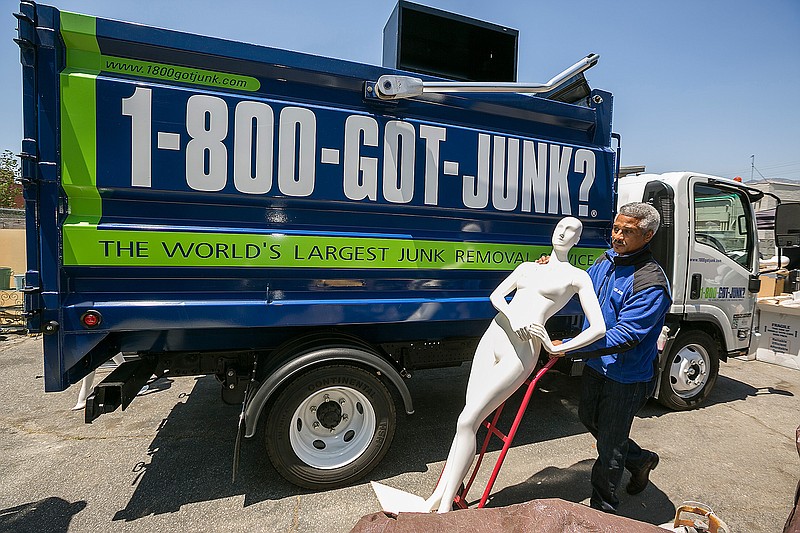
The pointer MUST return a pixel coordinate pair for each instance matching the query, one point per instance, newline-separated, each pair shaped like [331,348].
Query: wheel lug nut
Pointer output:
[316,425]
[344,416]
[341,401]
[313,408]
[326,398]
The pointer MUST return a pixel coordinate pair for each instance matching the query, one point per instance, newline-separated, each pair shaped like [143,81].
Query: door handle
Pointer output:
[697,281]
[754,283]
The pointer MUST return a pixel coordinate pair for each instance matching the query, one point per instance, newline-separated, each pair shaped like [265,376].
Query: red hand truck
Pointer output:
[460,501]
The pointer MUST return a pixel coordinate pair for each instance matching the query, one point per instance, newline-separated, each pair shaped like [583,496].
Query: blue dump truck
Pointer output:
[288,223]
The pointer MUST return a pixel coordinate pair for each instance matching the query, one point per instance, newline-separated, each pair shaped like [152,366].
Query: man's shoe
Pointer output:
[640,479]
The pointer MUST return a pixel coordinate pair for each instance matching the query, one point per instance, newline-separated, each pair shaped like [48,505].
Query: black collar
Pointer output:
[640,256]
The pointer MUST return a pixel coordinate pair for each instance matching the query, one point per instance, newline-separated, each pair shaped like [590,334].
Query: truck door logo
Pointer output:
[723,293]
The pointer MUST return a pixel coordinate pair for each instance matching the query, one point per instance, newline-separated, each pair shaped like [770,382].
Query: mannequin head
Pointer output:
[567,234]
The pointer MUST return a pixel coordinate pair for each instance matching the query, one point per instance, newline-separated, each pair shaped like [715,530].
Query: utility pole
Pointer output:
[752,165]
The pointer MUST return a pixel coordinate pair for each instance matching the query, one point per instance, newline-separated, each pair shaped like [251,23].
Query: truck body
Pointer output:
[708,247]
[213,207]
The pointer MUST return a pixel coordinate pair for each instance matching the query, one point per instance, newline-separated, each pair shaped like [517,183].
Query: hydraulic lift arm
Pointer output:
[393,87]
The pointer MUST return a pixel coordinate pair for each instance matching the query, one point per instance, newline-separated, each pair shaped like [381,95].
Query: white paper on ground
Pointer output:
[394,501]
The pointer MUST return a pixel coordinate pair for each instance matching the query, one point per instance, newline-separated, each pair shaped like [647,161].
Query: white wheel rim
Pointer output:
[688,372]
[332,427]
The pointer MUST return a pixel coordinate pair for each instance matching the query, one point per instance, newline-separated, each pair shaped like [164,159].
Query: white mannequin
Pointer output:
[507,354]
[86,384]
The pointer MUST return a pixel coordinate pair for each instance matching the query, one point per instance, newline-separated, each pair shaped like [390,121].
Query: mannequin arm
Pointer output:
[639,314]
[498,299]
[594,316]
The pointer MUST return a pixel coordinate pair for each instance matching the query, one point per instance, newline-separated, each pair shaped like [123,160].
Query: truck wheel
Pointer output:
[690,371]
[330,426]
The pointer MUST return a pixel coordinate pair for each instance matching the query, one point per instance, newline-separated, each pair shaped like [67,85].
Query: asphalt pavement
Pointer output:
[165,463]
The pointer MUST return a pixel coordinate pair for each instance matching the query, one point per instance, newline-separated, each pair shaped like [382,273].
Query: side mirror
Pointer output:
[787,225]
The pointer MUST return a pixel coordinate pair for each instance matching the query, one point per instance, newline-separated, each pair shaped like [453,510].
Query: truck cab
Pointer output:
[708,247]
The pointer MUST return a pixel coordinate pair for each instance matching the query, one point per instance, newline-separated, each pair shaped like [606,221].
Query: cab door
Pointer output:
[721,260]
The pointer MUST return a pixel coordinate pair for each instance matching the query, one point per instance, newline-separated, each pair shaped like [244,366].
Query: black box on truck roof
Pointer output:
[426,40]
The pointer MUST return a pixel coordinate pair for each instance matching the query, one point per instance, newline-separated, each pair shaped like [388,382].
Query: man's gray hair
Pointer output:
[649,220]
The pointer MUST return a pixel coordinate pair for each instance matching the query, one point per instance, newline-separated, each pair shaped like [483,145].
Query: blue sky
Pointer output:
[698,85]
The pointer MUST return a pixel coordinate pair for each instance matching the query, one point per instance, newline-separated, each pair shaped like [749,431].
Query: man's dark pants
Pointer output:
[607,409]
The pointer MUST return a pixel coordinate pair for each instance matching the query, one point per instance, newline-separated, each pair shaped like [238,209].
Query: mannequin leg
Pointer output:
[88,381]
[86,386]
[500,367]
[482,364]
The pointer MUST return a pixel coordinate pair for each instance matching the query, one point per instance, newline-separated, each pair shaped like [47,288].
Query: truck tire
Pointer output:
[329,426]
[690,370]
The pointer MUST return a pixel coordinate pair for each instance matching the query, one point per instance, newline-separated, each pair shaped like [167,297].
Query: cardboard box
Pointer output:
[771,284]
[778,341]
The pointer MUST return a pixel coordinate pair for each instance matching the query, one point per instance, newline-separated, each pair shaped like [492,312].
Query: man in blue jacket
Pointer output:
[620,372]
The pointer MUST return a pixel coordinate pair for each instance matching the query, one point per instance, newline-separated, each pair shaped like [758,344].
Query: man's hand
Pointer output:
[543,260]
[556,355]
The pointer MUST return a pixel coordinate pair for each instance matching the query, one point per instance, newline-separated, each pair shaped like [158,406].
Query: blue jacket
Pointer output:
[635,296]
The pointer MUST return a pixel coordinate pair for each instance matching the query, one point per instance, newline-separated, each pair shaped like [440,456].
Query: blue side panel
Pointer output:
[41,56]
[210,140]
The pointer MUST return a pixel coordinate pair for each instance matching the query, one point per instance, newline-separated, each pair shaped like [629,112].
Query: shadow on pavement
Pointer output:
[573,484]
[726,390]
[155,386]
[426,436]
[191,456]
[32,517]
[730,390]
[191,459]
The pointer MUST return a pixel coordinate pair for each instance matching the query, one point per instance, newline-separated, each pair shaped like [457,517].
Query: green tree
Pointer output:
[9,179]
